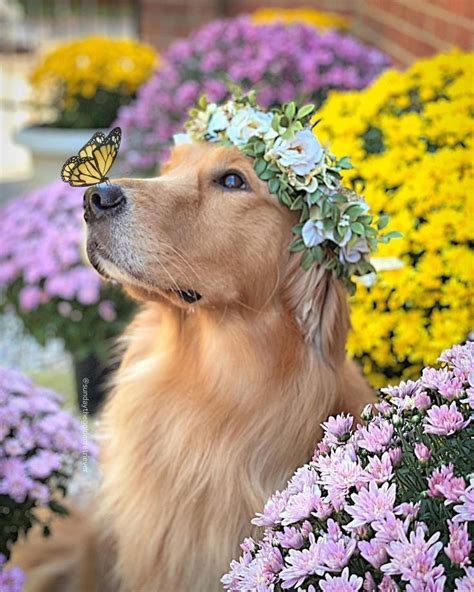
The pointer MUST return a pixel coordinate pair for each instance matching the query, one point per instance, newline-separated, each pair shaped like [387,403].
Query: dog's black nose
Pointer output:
[102,200]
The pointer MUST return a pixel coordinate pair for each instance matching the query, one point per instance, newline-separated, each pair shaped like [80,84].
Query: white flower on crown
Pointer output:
[248,123]
[218,122]
[182,139]
[301,154]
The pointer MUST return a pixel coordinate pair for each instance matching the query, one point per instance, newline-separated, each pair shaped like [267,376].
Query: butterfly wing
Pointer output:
[114,138]
[68,168]
[97,140]
[93,161]
[80,172]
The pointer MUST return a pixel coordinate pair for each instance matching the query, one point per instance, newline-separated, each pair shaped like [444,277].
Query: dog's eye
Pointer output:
[232,181]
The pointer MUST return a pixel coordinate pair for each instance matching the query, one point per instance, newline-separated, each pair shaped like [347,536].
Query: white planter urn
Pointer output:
[50,147]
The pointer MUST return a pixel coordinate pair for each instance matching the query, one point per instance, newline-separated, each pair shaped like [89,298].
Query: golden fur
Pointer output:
[216,402]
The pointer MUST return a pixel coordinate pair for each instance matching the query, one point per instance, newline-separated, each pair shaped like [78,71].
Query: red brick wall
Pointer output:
[405,29]
[409,29]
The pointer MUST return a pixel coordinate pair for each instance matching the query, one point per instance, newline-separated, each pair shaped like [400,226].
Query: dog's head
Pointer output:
[207,232]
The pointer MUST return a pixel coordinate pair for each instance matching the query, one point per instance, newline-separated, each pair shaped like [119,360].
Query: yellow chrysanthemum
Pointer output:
[81,69]
[410,139]
[308,16]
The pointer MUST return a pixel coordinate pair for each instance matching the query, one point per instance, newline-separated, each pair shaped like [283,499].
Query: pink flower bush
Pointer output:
[264,57]
[40,448]
[387,506]
[45,277]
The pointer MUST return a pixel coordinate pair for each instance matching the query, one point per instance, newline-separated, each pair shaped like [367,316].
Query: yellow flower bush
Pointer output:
[308,16]
[410,140]
[87,80]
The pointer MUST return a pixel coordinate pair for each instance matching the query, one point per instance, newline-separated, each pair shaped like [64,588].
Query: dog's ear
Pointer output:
[319,304]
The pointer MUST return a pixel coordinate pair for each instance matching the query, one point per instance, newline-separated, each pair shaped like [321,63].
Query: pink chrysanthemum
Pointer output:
[444,421]
[443,483]
[376,436]
[391,499]
[371,504]
[414,558]
[337,427]
[343,583]
[459,546]
[465,510]
[466,583]
[301,564]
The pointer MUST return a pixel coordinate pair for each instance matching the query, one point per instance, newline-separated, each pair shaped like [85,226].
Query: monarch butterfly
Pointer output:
[93,161]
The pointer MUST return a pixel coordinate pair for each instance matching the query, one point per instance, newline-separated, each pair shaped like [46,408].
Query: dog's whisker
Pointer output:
[165,266]
[177,252]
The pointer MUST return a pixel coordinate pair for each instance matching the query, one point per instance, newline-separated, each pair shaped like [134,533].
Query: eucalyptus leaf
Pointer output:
[273,185]
[318,253]
[305,111]
[290,110]
[259,165]
[297,246]
[344,163]
[307,260]
[382,221]
[393,234]
[355,210]
[358,228]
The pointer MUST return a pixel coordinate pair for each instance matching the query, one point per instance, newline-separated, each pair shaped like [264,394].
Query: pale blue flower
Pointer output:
[354,253]
[217,123]
[248,123]
[302,153]
[313,233]
[182,139]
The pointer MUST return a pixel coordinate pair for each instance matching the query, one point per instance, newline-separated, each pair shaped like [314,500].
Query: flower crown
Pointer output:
[335,228]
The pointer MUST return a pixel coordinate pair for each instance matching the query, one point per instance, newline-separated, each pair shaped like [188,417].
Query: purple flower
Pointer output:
[272,511]
[414,558]
[444,421]
[461,357]
[376,436]
[380,468]
[12,579]
[371,504]
[374,552]
[40,445]
[343,583]
[290,538]
[370,487]
[301,564]
[459,546]
[422,452]
[40,259]
[306,502]
[30,298]
[465,510]
[337,427]
[443,483]
[444,381]
[43,464]
[466,583]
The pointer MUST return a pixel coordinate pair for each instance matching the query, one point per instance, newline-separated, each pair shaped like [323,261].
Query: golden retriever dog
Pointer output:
[235,359]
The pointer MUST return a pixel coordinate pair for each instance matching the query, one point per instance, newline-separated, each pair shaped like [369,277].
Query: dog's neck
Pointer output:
[218,345]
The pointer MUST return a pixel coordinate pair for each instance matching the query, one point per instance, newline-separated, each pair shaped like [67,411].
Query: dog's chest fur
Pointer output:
[209,416]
